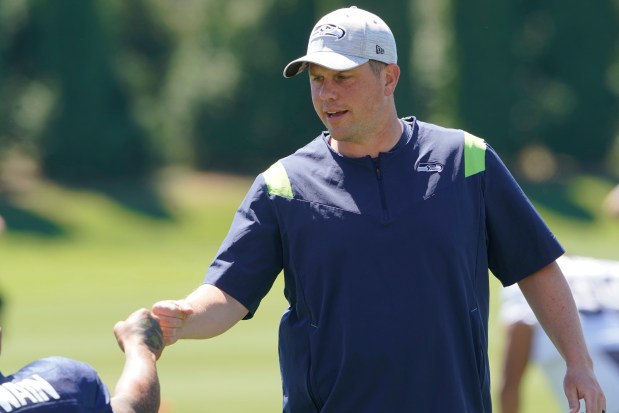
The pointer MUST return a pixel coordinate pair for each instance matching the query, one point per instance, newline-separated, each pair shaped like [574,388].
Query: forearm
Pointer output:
[510,400]
[137,389]
[214,312]
[516,357]
[550,298]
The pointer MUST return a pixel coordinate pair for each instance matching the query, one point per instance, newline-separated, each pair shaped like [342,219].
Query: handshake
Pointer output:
[142,331]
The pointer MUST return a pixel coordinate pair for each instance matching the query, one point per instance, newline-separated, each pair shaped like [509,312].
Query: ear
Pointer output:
[392,75]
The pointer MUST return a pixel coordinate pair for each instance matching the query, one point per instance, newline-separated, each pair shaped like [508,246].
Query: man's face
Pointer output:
[350,103]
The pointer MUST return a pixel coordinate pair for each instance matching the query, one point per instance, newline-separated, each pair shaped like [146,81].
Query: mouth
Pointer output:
[336,114]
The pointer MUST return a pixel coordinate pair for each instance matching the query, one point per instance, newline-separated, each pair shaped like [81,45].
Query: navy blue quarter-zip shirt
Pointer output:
[385,264]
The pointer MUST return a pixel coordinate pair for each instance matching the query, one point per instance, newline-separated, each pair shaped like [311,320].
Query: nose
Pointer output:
[326,91]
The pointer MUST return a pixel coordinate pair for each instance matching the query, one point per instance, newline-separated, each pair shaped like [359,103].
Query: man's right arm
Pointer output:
[137,389]
[205,313]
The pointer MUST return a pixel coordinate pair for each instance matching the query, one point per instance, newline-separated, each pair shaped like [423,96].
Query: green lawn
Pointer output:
[77,260]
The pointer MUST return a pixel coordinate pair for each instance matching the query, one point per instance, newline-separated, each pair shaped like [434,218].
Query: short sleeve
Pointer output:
[519,241]
[250,257]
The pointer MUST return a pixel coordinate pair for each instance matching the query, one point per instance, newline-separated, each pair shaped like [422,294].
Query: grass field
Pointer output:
[77,260]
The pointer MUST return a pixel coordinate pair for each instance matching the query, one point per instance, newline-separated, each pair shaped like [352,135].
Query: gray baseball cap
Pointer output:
[344,39]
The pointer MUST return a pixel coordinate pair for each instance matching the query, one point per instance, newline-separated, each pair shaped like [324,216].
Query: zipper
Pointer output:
[381,189]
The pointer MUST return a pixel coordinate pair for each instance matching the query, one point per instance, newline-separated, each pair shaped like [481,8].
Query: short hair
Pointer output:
[377,66]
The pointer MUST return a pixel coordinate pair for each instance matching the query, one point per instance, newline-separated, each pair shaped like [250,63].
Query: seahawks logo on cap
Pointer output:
[330,30]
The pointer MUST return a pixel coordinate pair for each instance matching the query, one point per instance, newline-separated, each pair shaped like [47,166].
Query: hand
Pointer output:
[582,384]
[171,315]
[140,329]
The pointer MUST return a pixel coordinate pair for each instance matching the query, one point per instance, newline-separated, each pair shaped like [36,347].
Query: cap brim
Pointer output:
[330,60]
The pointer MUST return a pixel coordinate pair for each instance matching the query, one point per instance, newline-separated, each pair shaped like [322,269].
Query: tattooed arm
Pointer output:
[137,389]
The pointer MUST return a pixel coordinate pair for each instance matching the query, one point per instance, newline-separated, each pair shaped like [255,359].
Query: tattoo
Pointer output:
[153,337]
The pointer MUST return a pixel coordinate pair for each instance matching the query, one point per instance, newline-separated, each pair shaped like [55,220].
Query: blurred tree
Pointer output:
[268,116]
[142,47]
[486,63]
[579,106]
[532,72]
[91,132]
[109,88]
[141,43]
[433,63]
[16,124]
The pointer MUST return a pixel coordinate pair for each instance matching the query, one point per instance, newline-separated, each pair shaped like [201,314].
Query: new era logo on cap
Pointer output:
[345,39]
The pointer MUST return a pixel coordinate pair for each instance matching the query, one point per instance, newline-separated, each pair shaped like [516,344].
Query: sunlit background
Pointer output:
[130,131]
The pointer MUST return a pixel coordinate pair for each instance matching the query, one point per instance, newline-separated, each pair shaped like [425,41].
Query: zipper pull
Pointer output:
[377,170]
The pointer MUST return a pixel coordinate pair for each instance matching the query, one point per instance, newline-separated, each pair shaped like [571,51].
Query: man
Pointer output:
[595,286]
[62,385]
[385,229]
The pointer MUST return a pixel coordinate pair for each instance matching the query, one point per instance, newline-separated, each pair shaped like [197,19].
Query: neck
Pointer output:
[377,141]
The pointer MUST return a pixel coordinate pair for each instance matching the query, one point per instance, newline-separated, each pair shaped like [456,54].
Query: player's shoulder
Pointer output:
[59,369]
[306,160]
[63,384]
[65,364]
[431,131]
[448,142]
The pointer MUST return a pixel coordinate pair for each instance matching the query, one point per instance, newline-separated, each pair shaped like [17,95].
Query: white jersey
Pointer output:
[595,286]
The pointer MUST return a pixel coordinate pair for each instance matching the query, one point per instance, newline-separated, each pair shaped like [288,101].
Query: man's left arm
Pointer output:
[549,295]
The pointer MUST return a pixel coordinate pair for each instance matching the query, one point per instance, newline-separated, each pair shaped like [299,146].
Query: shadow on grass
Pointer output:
[555,196]
[21,220]
[138,196]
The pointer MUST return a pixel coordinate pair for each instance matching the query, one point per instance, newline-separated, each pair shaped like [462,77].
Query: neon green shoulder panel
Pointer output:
[474,155]
[277,181]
